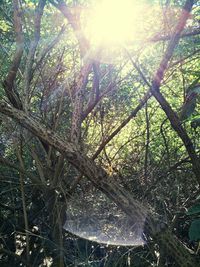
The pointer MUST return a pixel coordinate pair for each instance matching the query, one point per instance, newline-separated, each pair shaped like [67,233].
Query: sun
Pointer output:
[112,22]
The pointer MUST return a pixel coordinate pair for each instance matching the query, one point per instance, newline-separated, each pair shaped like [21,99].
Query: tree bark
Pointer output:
[136,211]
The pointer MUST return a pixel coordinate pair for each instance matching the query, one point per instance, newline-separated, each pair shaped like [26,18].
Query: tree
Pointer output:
[59,108]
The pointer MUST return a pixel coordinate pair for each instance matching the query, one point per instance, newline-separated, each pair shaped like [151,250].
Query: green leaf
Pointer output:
[188,108]
[193,85]
[195,123]
[197,73]
[194,230]
[194,209]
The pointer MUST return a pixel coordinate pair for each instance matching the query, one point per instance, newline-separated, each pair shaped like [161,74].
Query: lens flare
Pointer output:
[112,22]
[112,25]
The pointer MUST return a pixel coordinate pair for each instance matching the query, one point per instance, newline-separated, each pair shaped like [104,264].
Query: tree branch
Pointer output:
[8,83]
[78,103]
[168,37]
[75,23]
[28,74]
[136,211]
[123,124]
[155,89]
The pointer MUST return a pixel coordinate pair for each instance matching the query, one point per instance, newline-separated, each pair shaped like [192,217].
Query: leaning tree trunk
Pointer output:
[98,176]
[100,179]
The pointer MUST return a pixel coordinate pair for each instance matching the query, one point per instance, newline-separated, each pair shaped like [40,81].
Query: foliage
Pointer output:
[92,104]
[194,232]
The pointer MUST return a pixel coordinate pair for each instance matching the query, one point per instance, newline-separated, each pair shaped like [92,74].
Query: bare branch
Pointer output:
[8,83]
[28,69]
[94,95]
[21,175]
[74,20]
[155,89]
[172,44]
[100,179]
[168,37]
[49,47]
[78,103]
[123,124]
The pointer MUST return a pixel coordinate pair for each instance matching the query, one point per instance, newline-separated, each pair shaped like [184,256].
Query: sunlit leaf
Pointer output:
[195,123]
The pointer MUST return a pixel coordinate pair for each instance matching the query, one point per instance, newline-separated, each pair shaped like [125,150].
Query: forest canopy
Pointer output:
[99,133]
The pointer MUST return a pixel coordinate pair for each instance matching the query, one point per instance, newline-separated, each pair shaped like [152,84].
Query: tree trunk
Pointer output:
[136,211]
